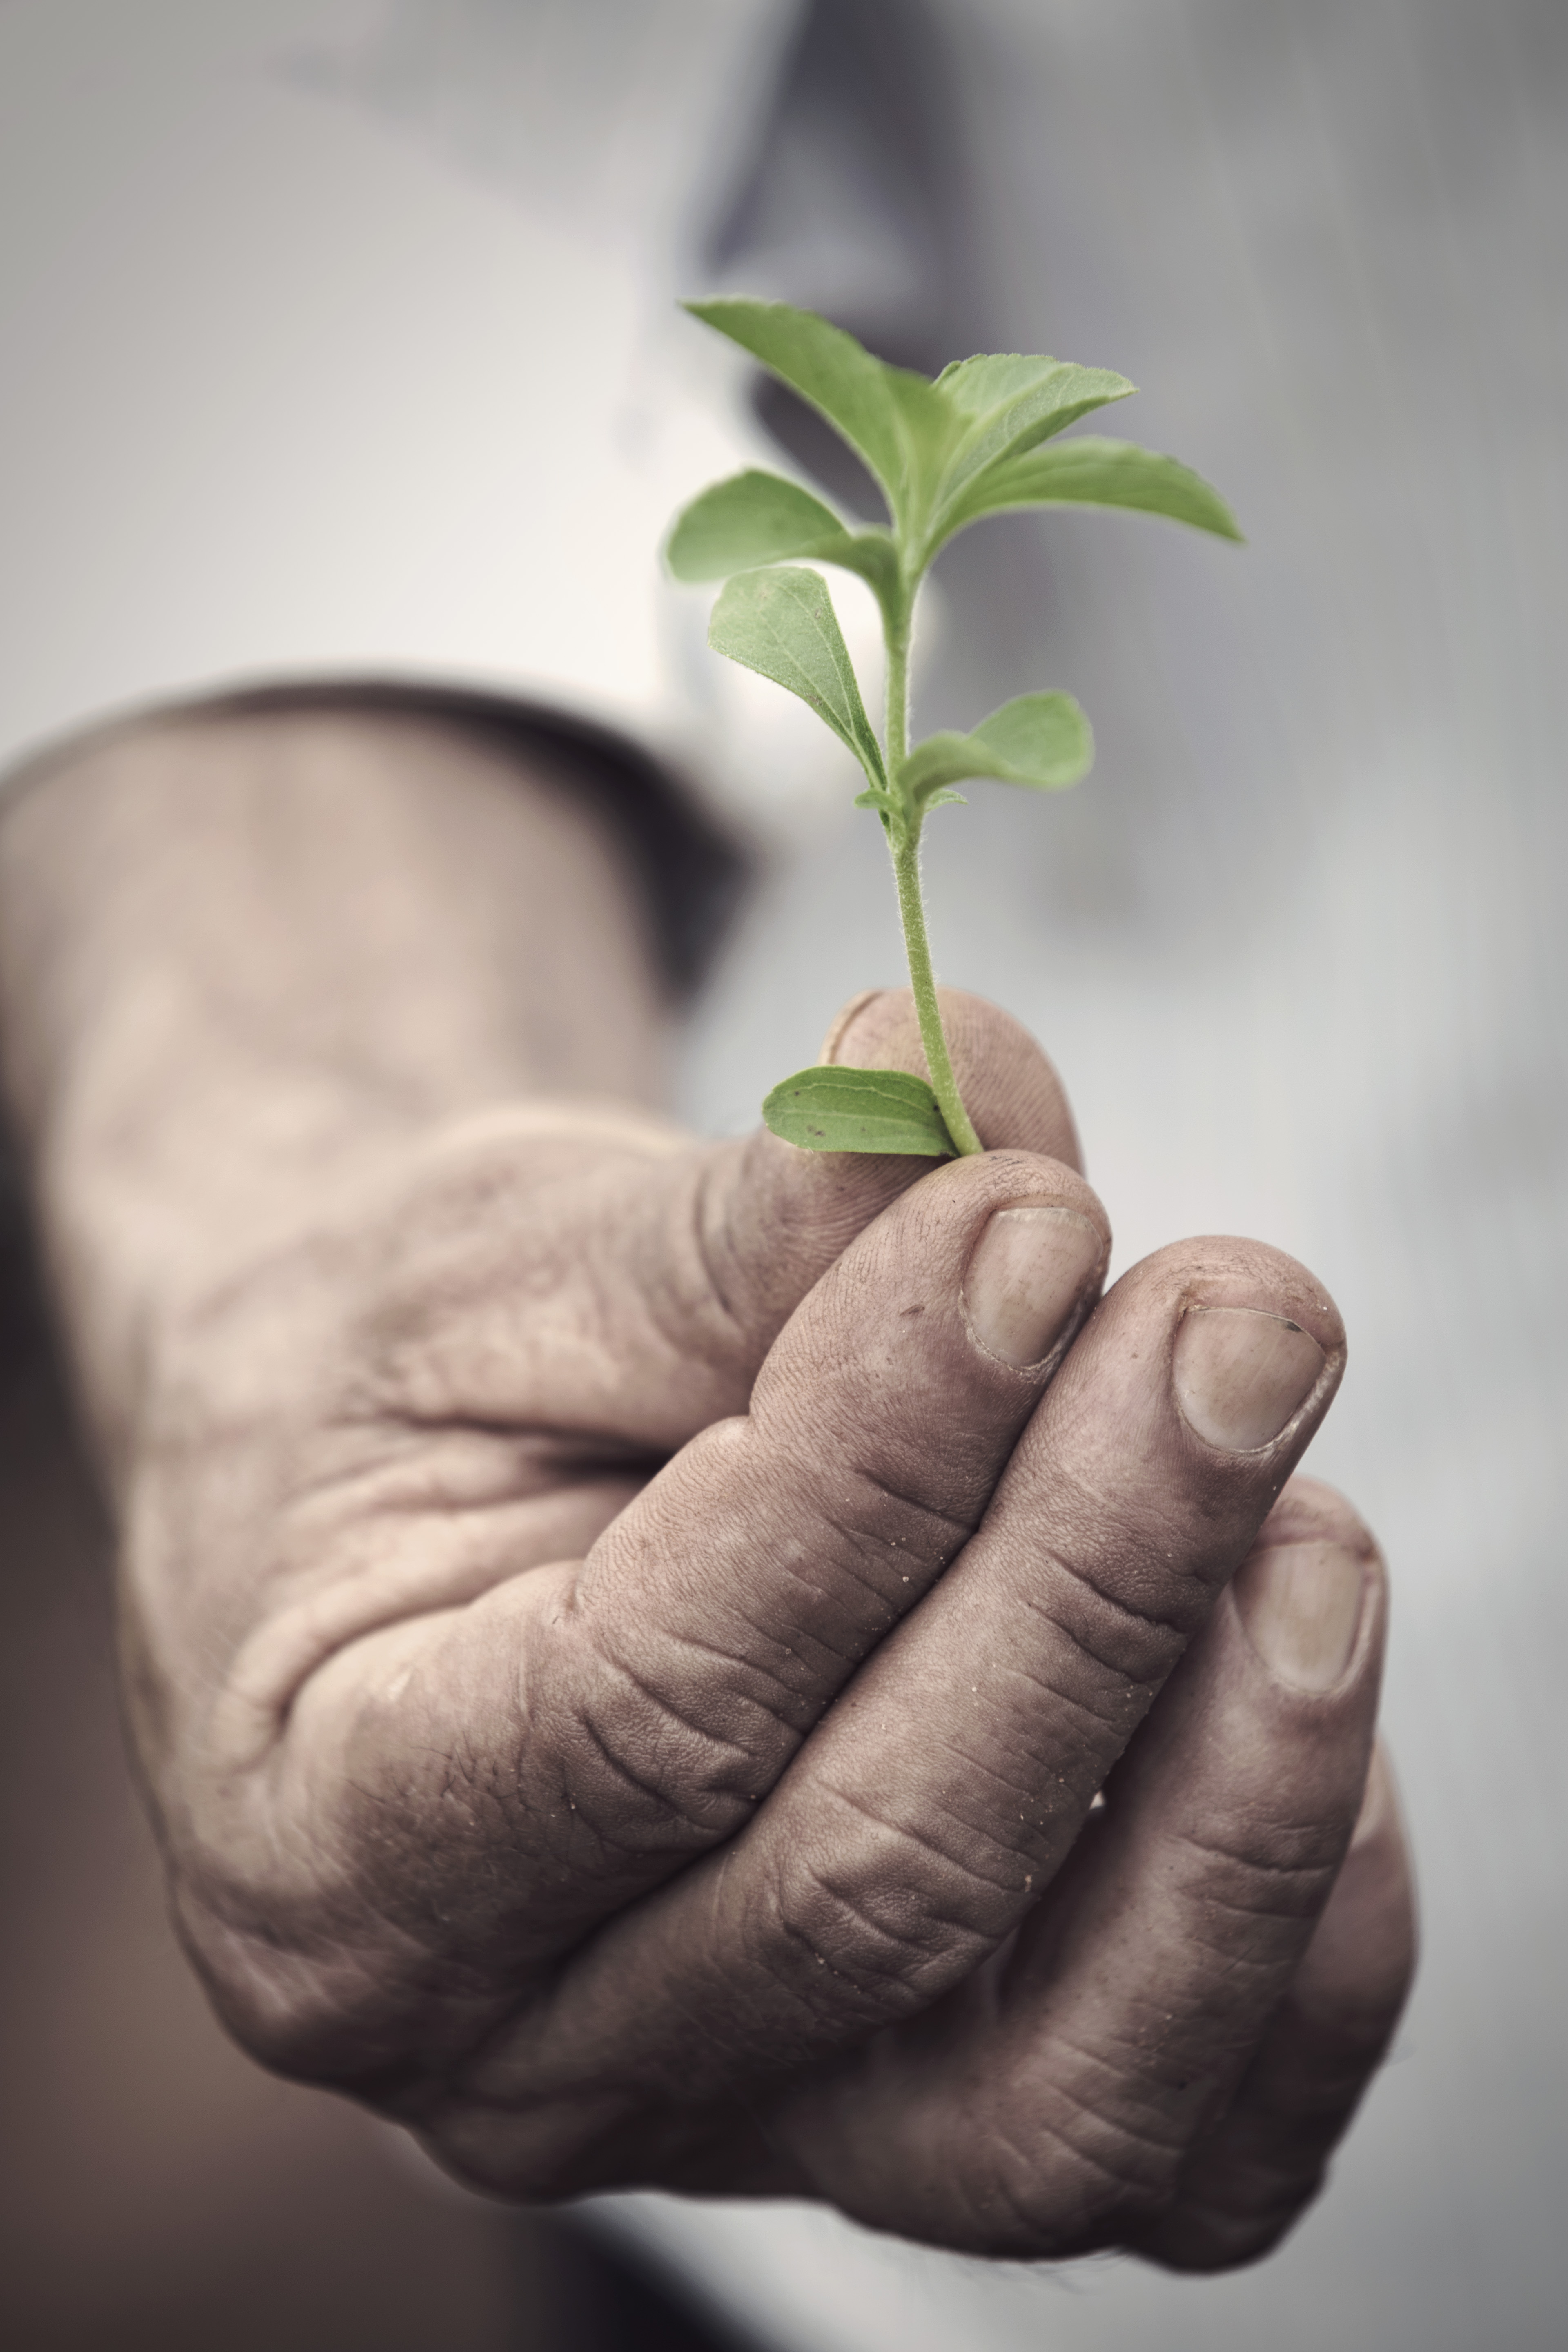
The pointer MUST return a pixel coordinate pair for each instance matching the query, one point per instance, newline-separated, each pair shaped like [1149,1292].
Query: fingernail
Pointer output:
[1240,1374]
[1028,1275]
[1302,1605]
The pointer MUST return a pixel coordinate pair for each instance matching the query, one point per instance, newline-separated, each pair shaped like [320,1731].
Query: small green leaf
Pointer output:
[944,799]
[981,385]
[833,1109]
[1040,740]
[1093,472]
[930,430]
[755,519]
[781,623]
[882,802]
[1013,403]
[750,519]
[891,417]
[1044,738]
[837,375]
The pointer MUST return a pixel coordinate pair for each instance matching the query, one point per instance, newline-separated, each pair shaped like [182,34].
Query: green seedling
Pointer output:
[979,440]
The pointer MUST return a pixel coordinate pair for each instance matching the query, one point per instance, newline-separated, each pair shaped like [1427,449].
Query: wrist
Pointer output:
[246,963]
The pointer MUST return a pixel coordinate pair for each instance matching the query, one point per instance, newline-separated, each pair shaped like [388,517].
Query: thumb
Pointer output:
[607,1275]
[772,1218]
[1010,1089]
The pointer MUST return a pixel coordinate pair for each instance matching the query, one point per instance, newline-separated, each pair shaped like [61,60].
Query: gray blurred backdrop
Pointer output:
[1300,947]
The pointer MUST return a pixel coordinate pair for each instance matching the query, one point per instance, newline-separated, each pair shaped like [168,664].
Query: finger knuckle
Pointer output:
[1072,2176]
[1257,1887]
[874,1930]
[660,1754]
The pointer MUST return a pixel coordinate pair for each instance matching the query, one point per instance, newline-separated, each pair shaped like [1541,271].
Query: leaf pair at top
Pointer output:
[943,453]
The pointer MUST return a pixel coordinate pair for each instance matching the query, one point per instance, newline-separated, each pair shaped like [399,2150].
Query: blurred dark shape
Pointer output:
[856,205]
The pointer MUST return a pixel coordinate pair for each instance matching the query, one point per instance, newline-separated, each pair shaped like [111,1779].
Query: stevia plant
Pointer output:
[978,440]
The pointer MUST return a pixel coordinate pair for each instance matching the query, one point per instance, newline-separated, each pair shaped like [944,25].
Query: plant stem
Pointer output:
[904,842]
[898,729]
[906,848]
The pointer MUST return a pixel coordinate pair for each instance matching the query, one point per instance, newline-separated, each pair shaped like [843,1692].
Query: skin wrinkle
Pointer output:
[1251,1867]
[796,1438]
[1090,1752]
[958,1525]
[681,1816]
[824,1592]
[827,1590]
[699,1734]
[1168,2017]
[1068,1579]
[854,1962]
[1119,1682]
[749,1664]
[342,1496]
[686,1638]
[1026,2199]
[278,2008]
[1017,1793]
[1236,1963]
[742,1657]
[1032,1848]
[868,1545]
[541,1453]
[967,1760]
[408,1796]
[903,1833]
[272,1674]
[1106,2193]
[700,1216]
[1165,2151]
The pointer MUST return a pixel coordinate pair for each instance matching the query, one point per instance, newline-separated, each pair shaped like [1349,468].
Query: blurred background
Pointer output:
[1297,947]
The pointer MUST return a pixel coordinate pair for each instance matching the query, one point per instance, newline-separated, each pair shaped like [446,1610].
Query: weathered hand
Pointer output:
[627,1636]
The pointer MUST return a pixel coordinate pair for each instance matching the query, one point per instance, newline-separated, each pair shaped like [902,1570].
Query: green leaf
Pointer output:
[894,419]
[833,1109]
[1040,740]
[755,519]
[930,431]
[885,802]
[987,381]
[1093,472]
[837,375]
[750,519]
[1012,403]
[781,623]
[1044,738]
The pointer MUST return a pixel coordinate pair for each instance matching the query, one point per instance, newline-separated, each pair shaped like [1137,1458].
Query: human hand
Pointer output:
[730,1824]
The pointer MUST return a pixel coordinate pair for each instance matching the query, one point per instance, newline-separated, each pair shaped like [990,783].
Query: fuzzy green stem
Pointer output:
[906,848]
[904,842]
[898,729]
